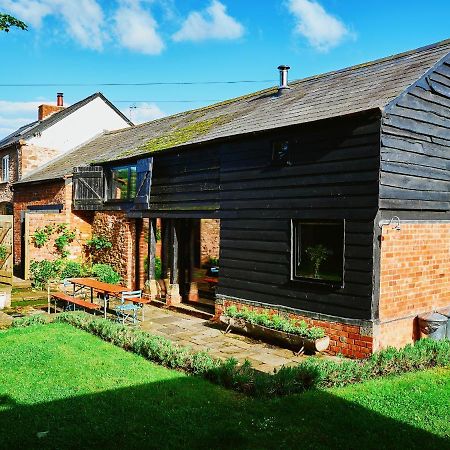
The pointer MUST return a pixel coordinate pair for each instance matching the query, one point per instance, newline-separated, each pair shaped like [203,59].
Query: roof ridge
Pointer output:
[377,61]
[294,82]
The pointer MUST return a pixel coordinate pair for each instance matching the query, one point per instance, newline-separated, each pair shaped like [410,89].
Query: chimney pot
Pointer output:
[283,77]
[59,99]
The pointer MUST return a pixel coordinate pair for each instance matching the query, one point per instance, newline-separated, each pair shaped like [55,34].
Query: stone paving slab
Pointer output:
[200,334]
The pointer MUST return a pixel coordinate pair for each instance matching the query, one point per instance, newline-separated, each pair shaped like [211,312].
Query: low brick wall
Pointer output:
[414,278]
[351,338]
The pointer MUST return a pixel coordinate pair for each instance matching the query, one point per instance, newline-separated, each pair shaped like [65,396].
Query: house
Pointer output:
[331,193]
[57,130]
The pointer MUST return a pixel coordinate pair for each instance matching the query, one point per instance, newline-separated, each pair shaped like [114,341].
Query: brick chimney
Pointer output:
[47,110]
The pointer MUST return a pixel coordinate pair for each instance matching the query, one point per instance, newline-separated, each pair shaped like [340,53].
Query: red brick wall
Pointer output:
[48,193]
[414,278]
[354,341]
[209,239]
[121,232]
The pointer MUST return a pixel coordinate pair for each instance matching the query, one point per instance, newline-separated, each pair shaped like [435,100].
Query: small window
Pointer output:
[281,154]
[123,183]
[318,253]
[5,169]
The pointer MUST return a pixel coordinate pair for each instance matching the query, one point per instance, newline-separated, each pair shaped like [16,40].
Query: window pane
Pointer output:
[319,251]
[119,183]
[133,179]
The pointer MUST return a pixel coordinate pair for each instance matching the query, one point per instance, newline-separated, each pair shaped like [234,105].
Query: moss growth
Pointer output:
[177,136]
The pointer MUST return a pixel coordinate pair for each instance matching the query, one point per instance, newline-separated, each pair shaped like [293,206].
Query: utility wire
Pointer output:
[164,101]
[149,83]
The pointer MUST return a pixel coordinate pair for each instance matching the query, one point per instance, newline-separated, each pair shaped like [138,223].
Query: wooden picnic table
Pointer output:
[99,286]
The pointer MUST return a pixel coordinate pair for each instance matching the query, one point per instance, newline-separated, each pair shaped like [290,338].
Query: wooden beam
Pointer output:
[193,287]
[173,296]
[152,284]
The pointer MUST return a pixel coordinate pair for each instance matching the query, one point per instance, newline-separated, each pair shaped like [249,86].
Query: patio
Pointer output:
[201,334]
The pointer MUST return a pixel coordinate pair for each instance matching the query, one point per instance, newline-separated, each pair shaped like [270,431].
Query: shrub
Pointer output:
[276,322]
[105,273]
[3,252]
[44,271]
[313,373]
[98,243]
[158,270]
[36,319]
[73,269]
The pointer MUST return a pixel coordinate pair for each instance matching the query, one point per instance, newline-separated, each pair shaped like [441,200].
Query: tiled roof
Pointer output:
[363,87]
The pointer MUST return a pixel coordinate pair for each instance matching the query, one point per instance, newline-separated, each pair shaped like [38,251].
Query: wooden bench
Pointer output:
[212,281]
[75,301]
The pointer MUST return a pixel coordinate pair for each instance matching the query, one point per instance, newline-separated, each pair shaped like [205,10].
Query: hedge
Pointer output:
[312,373]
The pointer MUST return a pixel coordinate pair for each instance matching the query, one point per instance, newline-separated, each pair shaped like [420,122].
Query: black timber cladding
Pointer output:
[186,183]
[334,175]
[415,147]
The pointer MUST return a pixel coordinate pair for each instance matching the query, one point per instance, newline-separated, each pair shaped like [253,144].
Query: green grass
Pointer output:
[87,393]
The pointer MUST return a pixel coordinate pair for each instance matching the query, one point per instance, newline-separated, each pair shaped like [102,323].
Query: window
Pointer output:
[5,169]
[281,154]
[123,183]
[318,253]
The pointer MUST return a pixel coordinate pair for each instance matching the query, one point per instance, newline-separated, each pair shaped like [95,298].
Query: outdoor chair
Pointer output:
[126,311]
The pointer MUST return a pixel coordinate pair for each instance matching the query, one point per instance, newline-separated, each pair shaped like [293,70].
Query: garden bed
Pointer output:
[281,338]
[276,329]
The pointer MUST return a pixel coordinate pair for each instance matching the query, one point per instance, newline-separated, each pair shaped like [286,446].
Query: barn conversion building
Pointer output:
[332,195]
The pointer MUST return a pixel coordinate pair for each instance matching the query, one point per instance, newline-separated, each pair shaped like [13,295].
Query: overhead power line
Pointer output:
[147,83]
[165,101]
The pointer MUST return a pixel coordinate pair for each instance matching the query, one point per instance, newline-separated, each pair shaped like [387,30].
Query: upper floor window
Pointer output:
[281,155]
[318,251]
[122,184]
[5,168]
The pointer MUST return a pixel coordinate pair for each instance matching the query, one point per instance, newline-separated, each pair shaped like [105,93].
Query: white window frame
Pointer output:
[5,169]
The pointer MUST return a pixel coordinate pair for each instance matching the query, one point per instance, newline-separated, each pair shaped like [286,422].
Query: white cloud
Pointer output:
[322,30]
[136,29]
[14,115]
[144,112]
[212,23]
[82,19]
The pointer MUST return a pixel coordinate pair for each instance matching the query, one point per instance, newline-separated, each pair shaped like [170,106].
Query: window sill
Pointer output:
[318,284]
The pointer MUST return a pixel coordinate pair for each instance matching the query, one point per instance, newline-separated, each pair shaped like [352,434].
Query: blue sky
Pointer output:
[133,41]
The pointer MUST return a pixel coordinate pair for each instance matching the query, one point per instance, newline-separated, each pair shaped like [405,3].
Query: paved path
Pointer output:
[200,334]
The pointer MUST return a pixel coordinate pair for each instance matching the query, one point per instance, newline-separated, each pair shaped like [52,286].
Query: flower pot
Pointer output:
[271,336]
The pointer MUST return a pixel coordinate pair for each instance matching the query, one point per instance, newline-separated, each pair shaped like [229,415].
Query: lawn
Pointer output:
[77,391]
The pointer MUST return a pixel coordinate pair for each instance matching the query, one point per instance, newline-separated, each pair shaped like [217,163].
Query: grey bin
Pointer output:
[446,313]
[433,325]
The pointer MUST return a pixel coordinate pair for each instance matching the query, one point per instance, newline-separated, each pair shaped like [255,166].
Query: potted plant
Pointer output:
[290,333]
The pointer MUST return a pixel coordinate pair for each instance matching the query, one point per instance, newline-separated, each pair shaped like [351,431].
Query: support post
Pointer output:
[152,283]
[165,252]
[173,296]
[193,287]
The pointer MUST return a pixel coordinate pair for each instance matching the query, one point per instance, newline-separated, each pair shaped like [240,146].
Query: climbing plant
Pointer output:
[64,237]
[3,252]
